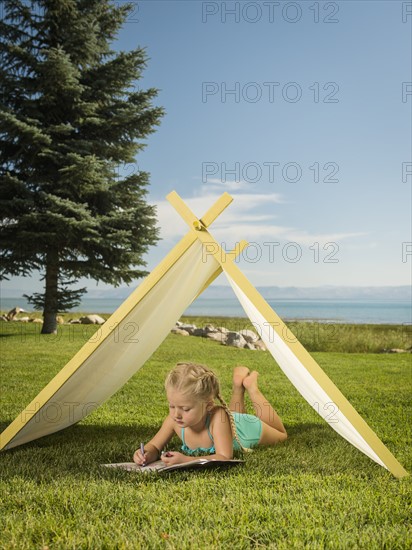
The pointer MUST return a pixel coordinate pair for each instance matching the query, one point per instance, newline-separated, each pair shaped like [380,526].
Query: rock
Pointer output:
[3,318]
[60,320]
[217,336]
[92,320]
[198,332]
[209,329]
[74,322]
[247,339]
[36,320]
[235,339]
[249,335]
[179,331]
[248,345]
[395,350]
[13,312]
[23,319]
[188,328]
[260,345]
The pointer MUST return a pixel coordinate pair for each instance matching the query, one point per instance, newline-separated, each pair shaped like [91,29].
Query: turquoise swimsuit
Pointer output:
[248,428]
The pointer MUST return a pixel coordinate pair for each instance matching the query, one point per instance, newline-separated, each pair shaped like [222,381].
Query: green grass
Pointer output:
[315,336]
[313,491]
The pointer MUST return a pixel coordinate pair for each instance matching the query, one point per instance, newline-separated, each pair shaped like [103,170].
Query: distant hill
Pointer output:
[392,293]
[403,293]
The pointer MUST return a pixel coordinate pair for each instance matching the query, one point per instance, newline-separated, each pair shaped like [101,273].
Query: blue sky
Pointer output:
[319,92]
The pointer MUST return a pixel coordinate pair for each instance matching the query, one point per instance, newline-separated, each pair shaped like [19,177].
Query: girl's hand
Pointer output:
[173,457]
[143,460]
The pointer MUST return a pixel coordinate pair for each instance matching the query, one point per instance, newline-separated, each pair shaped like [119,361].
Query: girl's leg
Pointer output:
[237,401]
[263,409]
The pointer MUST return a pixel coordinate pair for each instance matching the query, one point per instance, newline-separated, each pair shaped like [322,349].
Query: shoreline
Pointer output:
[315,336]
[331,312]
[230,318]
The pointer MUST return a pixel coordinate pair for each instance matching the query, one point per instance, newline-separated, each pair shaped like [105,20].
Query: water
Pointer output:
[338,311]
[341,311]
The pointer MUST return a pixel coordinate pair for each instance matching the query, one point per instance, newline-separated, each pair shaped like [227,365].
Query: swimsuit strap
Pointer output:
[207,424]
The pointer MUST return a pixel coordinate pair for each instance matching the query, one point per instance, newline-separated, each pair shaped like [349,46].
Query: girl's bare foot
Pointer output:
[239,374]
[250,381]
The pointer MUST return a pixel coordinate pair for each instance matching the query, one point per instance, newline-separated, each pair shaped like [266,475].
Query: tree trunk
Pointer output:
[51,297]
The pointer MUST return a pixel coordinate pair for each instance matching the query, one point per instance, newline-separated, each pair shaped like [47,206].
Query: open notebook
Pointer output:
[159,466]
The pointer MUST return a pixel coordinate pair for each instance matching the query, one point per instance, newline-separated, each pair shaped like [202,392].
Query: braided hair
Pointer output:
[203,384]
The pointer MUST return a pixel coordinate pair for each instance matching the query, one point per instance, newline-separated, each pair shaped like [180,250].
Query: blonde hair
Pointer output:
[202,383]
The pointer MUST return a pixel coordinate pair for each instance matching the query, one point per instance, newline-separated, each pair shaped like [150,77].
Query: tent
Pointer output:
[123,344]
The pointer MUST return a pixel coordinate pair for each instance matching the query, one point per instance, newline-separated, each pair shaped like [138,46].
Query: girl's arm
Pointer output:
[221,431]
[222,438]
[156,444]
[175,457]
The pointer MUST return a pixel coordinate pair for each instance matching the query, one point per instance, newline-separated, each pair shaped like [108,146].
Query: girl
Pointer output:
[207,429]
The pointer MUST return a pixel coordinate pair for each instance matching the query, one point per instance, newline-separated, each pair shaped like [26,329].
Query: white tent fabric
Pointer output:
[303,381]
[122,354]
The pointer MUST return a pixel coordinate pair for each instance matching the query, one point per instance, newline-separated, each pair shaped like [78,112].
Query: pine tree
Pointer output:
[69,119]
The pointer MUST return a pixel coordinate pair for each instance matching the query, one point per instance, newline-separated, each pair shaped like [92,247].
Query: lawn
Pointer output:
[313,491]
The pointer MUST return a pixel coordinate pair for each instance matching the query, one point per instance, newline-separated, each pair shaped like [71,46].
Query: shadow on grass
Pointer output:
[97,437]
[90,437]
[309,431]
[79,450]
[316,448]
[76,452]
[4,424]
